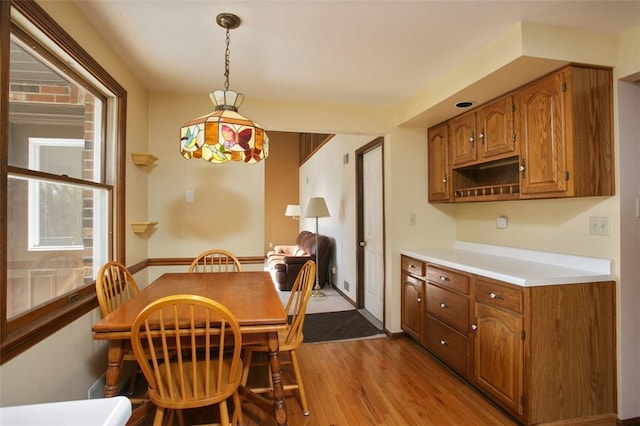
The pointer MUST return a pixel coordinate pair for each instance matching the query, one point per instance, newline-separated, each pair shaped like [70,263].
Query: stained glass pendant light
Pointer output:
[224,135]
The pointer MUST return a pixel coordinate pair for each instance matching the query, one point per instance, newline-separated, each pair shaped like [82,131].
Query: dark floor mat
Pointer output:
[331,326]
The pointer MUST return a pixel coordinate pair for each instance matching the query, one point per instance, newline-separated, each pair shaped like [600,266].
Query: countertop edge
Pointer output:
[518,270]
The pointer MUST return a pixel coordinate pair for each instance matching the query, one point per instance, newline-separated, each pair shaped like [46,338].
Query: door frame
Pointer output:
[360,152]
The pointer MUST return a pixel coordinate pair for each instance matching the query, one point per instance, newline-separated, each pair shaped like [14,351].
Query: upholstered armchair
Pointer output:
[285,261]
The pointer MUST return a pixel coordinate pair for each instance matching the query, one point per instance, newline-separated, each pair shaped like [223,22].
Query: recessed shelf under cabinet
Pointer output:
[496,180]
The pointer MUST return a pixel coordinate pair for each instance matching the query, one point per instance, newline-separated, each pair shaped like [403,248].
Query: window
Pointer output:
[62,127]
[55,209]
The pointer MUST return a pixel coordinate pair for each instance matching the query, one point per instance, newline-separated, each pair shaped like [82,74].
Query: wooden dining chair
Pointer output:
[114,286]
[289,339]
[215,260]
[206,368]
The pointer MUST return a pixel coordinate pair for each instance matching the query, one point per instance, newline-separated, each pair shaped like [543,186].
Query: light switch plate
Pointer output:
[599,225]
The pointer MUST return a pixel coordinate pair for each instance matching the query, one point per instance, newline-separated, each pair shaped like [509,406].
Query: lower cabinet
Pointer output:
[498,336]
[544,354]
[413,291]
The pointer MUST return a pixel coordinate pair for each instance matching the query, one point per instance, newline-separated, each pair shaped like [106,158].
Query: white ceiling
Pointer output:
[354,52]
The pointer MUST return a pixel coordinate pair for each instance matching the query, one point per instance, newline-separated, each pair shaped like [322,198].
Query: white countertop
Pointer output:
[521,267]
[90,412]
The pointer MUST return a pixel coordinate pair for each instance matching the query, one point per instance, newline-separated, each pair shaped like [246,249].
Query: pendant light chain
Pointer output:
[226,62]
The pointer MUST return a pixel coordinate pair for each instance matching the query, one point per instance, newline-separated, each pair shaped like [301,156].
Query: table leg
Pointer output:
[114,368]
[276,377]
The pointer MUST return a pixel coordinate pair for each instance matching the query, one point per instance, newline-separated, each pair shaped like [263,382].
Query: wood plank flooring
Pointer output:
[380,381]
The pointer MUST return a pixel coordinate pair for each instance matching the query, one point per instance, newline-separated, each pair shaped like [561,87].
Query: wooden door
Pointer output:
[542,134]
[438,163]
[494,123]
[413,307]
[499,355]
[462,139]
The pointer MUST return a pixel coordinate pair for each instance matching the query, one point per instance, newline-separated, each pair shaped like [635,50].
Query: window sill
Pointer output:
[33,332]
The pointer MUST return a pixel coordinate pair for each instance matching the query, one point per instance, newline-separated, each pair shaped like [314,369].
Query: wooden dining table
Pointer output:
[250,296]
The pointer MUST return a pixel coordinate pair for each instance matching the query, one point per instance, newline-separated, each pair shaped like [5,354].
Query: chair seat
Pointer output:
[284,345]
[291,338]
[193,398]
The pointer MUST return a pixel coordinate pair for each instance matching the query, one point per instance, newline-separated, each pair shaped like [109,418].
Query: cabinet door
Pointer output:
[462,139]
[438,163]
[413,307]
[542,134]
[499,355]
[494,123]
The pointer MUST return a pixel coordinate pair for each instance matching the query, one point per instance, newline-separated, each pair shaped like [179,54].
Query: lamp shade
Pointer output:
[292,210]
[224,135]
[316,208]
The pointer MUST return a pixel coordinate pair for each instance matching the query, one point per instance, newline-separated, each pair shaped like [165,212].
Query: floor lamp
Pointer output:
[317,208]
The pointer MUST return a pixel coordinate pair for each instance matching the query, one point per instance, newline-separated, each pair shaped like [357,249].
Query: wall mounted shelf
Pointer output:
[142,227]
[143,158]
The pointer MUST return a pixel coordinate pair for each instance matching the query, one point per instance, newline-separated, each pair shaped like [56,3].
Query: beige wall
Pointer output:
[281,183]
[66,364]
[228,209]
[325,175]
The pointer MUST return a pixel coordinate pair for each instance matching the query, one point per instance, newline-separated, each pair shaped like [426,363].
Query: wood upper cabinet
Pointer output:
[484,133]
[565,134]
[542,132]
[495,126]
[438,163]
[462,139]
[551,138]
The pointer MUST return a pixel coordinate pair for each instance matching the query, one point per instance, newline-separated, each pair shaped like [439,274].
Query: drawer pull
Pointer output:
[443,305]
[412,266]
[444,278]
[443,342]
[493,295]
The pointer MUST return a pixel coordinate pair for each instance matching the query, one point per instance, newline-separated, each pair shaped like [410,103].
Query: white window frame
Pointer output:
[34,232]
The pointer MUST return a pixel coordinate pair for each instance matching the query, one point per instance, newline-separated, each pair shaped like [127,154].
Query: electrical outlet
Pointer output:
[502,222]
[599,225]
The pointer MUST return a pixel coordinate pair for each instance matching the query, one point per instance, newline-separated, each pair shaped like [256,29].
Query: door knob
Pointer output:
[363,243]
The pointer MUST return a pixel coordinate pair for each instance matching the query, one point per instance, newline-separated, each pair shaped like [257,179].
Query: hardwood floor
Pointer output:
[379,381]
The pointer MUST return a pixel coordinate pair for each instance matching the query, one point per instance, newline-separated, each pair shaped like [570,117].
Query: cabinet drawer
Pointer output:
[498,295]
[450,307]
[449,345]
[447,278]
[413,266]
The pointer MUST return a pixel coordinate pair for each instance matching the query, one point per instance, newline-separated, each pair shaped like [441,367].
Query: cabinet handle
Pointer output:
[419,299]
[444,278]
[493,295]
[523,168]
[472,139]
[443,342]
[443,305]
[444,179]
[474,327]
[481,135]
